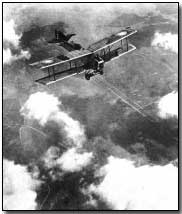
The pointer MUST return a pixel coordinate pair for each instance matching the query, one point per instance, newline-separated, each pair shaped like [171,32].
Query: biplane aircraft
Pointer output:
[89,61]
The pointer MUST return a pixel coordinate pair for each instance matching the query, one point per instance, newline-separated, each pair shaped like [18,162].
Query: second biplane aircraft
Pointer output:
[90,60]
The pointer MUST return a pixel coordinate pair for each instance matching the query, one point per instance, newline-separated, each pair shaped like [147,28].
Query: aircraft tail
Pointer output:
[61,36]
[69,36]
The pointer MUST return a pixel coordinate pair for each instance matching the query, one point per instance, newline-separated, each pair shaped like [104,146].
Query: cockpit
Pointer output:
[99,63]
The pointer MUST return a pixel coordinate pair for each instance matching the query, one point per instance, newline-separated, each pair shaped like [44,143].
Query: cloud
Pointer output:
[45,107]
[126,186]
[51,156]
[70,161]
[168,105]
[41,106]
[8,57]
[73,161]
[18,187]
[11,41]
[9,34]
[168,41]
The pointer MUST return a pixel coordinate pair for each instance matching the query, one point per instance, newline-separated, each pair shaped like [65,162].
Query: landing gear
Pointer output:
[87,76]
[89,73]
[98,68]
[92,73]
[101,72]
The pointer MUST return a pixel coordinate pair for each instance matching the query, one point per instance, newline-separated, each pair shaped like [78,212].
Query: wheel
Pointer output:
[101,72]
[87,77]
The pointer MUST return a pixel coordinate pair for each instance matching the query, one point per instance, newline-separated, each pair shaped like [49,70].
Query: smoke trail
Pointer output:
[126,187]
[168,41]
[18,187]
[44,107]
[168,105]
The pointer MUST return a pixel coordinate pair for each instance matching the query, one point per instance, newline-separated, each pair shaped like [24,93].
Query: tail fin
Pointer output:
[56,34]
[69,36]
[61,36]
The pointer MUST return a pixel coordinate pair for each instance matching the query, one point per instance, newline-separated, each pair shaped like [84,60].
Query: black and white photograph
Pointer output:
[90,106]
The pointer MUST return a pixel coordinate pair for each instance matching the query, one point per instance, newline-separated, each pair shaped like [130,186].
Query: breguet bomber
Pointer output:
[78,60]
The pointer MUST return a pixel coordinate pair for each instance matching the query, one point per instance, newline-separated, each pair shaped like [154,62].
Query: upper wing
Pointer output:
[113,46]
[60,67]
[104,43]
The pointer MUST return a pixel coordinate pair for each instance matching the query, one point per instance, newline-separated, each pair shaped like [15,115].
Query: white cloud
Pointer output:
[69,161]
[168,41]
[73,161]
[18,187]
[9,33]
[125,186]
[41,106]
[72,127]
[168,105]
[51,156]
[8,57]
[11,38]
[45,107]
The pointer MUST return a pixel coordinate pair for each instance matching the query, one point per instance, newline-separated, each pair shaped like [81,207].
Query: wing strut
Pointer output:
[126,44]
[53,73]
